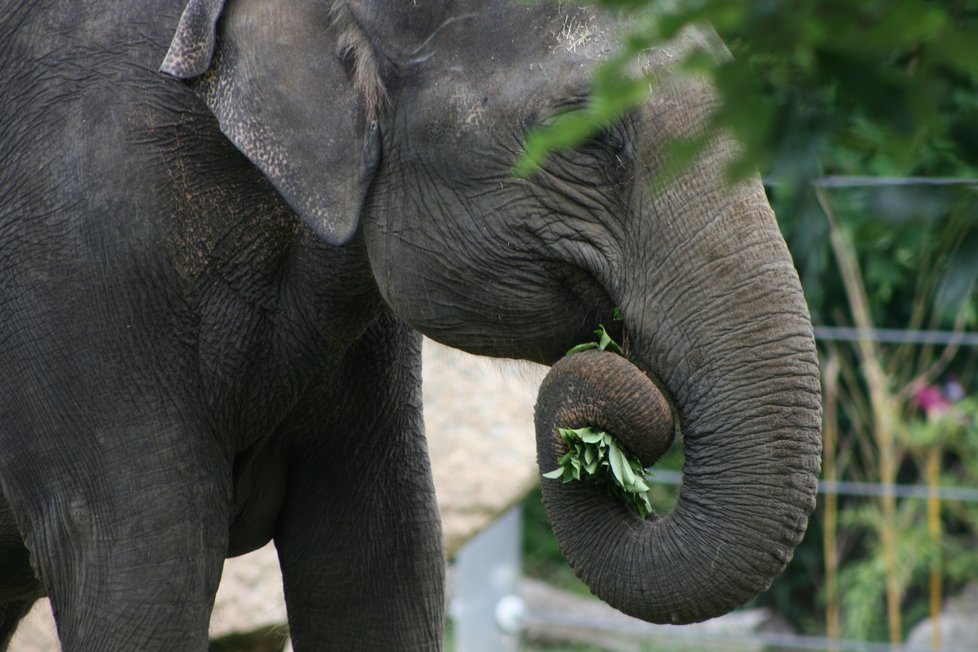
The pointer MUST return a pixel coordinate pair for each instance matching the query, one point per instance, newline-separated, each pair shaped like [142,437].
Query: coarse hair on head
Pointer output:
[354,46]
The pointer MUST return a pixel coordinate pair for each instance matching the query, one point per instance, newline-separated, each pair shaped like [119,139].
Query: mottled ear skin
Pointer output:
[285,101]
[192,48]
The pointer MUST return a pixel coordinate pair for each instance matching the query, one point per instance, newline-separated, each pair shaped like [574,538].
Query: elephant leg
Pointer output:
[360,538]
[128,543]
[11,614]
[152,592]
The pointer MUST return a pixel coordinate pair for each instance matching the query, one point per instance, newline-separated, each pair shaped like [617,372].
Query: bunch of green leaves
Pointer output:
[594,456]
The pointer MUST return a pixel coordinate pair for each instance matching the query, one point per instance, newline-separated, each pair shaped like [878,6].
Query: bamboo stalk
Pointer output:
[933,472]
[883,409]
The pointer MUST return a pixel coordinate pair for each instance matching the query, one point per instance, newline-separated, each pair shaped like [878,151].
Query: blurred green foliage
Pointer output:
[917,247]
[875,87]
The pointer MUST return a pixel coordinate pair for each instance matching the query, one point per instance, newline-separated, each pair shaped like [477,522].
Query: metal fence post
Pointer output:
[487,610]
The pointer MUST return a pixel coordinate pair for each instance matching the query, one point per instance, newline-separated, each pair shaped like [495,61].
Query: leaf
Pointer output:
[590,456]
[587,346]
[590,436]
[594,456]
[604,343]
[643,505]
[617,464]
[639,486]
[592,466]
[631,477]
[628,476]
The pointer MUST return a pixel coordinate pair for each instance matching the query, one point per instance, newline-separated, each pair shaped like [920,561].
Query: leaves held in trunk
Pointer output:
[594,456]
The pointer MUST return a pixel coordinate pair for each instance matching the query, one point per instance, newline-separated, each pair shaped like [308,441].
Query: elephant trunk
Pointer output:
[605,391]
[728,338]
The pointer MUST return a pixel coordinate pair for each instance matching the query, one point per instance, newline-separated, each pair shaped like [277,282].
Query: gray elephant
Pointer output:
[213,282]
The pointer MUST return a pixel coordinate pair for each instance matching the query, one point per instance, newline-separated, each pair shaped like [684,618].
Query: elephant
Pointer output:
[225,226]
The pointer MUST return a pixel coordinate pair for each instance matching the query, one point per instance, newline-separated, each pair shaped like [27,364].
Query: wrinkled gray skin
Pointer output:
[209,329]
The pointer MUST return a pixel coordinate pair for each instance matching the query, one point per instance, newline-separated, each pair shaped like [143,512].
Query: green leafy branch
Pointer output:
[604,342]
[807,82]
[594,456]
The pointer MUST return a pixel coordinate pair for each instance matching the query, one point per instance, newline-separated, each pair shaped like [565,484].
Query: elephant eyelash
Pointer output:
[610,136]
[572,103]
[608,139]
[607,149]
[547,118]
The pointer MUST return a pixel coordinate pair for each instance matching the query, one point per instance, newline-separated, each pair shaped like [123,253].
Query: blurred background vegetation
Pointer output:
[819,92]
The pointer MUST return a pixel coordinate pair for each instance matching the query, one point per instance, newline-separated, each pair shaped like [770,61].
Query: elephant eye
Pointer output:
[553,117]
[609,139]
[606,149]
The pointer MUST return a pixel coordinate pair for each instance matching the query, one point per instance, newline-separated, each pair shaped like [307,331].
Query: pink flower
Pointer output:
[932,401]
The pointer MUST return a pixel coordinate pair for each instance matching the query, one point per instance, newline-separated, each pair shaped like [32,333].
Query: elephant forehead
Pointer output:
[582,34]
[510,36]
[461,99]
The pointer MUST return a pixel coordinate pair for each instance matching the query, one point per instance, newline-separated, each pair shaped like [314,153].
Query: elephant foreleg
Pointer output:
[360,538]
[129,543]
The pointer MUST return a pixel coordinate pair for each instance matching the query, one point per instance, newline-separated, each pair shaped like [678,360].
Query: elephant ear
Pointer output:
[276,77]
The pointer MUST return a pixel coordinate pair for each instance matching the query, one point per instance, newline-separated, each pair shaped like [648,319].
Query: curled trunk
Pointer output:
[729,340]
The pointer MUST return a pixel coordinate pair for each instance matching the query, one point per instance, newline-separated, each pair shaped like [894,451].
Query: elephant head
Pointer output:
[400,123]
